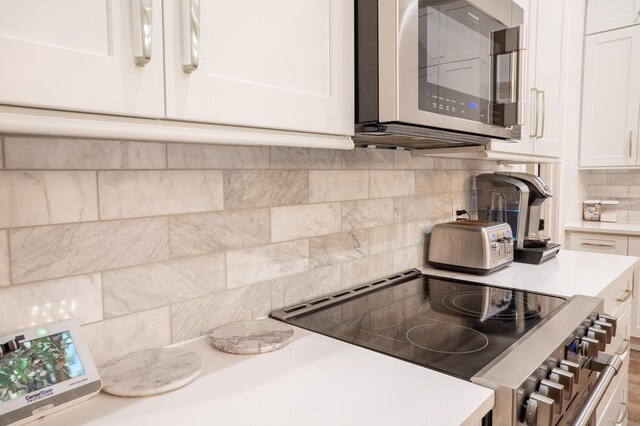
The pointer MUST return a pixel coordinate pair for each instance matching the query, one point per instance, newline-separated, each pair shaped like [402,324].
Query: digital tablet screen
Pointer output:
[38,364]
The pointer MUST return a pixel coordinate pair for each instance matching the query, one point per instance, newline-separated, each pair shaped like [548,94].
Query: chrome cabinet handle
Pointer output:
[191,19]
[630,143]
[541,121]
[598,245]
[627,296]
[623,415]
[625,346]
[534,113]
[142,14]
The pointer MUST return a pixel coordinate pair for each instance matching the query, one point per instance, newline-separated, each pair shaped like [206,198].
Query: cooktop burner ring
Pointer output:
[465,337]
[529,309]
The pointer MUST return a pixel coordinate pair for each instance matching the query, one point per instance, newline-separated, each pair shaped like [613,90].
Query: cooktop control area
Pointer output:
[452,326]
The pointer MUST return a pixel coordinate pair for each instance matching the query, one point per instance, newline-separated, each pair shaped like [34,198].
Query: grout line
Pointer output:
[9,258]
[4,153]
[98,197]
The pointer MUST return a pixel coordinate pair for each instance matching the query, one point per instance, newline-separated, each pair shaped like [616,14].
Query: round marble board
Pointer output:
[251,336]
[150,372]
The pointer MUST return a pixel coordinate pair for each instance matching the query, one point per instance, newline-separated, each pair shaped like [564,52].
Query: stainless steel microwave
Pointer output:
[438,73]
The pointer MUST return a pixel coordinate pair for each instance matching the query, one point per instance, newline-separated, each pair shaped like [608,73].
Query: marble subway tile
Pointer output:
[366,213]
[290,223]
[43,198]
[367,269]
[338,248]
[305,158]
[115,337]
[201,156]
[404,160]
[594,179]
[432,182]
[392,183]
[195,234]
[5,273]
[407,258]
[607,191]
[50,153]
[126,194]
[149,286]
[265,188]
[332,185]
[367,159]
[634,191]
[29,305]
[303,287]
[392,237]
[200,316]
[57,251]
[623,179]
[256,264]
[450,163]
[412,208]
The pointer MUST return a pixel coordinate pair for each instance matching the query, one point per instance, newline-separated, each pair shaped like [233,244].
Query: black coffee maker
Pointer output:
[517,198]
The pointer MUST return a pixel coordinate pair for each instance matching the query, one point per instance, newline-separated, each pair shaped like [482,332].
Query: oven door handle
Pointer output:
[613,365]
[510,41]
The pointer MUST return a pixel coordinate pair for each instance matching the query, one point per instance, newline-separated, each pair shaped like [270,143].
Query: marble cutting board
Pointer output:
[150,372]
[251,336]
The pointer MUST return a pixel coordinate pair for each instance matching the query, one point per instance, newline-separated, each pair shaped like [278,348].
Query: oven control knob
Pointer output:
[611,320]
[539,410]
[606,327]
[600,335]
[564,378]
[554,391]
[589,347]
[571,367]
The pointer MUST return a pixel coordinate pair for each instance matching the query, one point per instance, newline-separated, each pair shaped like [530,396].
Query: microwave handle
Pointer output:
[509,41]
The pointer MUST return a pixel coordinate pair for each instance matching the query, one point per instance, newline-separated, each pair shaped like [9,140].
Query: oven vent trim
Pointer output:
[359,290]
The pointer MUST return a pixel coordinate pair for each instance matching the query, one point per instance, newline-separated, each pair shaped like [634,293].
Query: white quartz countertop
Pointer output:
[569,273]
[315,380]
[622,228]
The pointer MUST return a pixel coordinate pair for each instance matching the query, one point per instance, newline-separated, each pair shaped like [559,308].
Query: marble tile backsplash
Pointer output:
[622,185]
[148,244]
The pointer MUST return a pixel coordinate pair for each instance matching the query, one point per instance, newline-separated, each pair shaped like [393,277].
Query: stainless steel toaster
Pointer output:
[471,246]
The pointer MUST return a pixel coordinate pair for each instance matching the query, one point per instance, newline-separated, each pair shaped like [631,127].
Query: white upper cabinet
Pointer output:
[80,55]
[605,15]
[541,134]
[284,64]
[611,98]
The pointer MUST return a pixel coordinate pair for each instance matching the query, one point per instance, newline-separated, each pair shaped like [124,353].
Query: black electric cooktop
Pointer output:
[453,326]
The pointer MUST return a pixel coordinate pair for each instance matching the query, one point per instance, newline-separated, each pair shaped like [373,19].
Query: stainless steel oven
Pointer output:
[543,355]
[431,73]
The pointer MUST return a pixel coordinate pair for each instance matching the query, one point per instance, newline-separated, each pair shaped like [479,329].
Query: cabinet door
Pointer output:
[80,55]
[604,15]
[611,98]
[634,250]
[283,64]
[547,68]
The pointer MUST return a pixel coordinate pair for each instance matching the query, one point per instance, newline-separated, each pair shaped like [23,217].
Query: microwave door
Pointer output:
[507,77]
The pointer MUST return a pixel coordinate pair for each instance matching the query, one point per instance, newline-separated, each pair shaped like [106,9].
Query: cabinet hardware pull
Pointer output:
[623,414]
[598,245]
[191,19]
[630,142]
[625,346]
[543,113]
[534,113]
[627,296]
[143,17]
